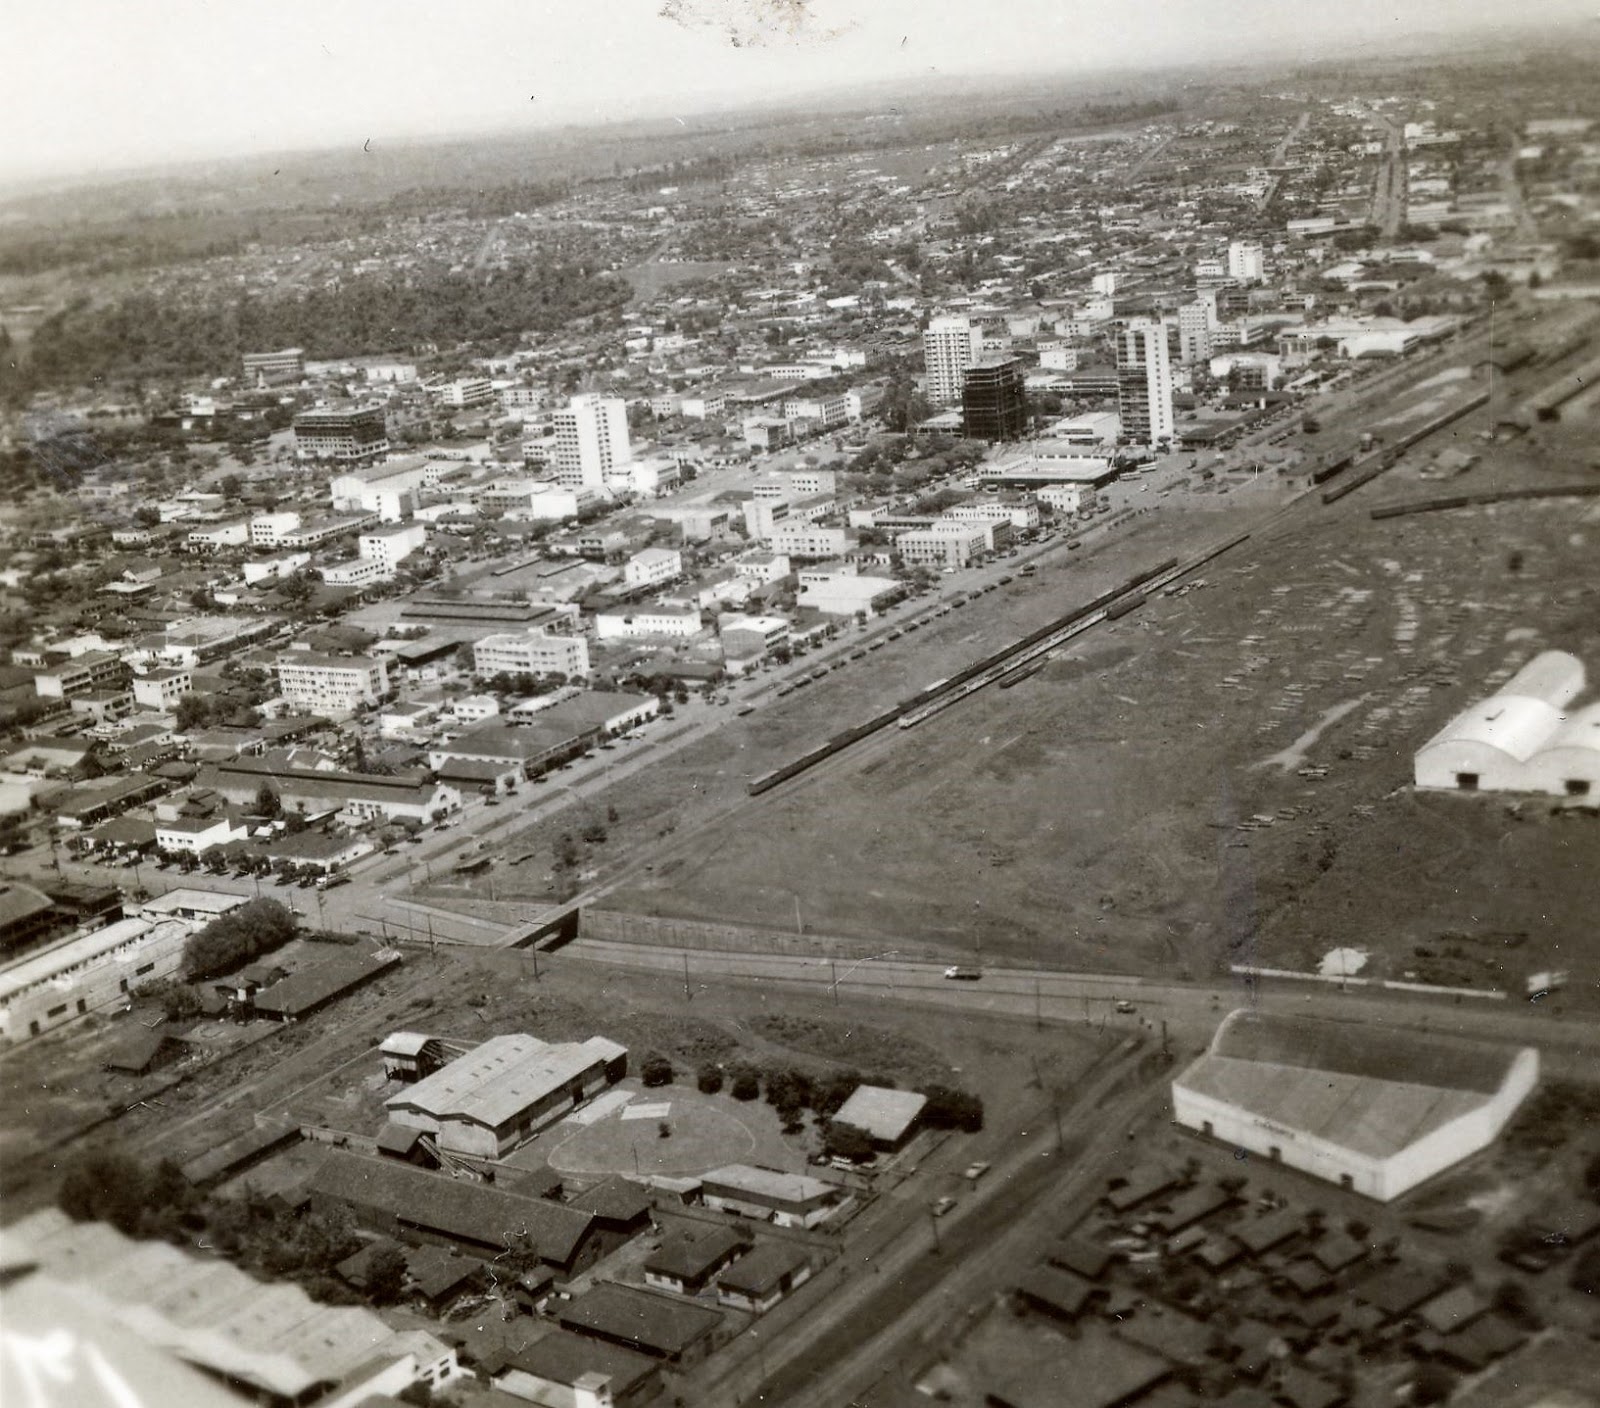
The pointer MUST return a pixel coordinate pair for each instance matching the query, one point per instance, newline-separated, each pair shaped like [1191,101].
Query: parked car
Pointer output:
[962,975]
[1124,1006]
[943,1206]
[974,1172]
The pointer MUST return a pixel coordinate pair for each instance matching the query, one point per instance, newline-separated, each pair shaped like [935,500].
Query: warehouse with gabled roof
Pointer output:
[506,1090]
[1375,1109]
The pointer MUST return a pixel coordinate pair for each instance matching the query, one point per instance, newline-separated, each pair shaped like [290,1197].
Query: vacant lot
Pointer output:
[1222,776]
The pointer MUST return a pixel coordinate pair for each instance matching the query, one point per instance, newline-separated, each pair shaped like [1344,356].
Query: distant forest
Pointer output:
[143,337]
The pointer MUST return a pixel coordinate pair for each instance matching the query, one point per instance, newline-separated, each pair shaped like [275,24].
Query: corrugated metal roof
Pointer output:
[505,1076]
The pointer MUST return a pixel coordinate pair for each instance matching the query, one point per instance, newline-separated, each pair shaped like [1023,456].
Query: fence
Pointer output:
[655,930]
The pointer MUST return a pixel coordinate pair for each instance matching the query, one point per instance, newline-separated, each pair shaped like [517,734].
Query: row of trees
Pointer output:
[792,1091]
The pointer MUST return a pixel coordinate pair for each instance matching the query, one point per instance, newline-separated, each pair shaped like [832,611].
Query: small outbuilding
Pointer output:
[888,1117]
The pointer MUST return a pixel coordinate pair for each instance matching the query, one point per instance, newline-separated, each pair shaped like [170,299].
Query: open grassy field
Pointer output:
[1142,803]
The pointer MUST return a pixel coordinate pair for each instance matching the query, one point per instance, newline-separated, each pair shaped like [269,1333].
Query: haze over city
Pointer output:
[107,84]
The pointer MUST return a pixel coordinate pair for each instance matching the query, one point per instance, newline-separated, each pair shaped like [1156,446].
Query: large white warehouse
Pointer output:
[1522,738]
[1374,1109]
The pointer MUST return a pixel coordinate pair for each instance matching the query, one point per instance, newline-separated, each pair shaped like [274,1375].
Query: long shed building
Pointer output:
[1378,1110]
[505,1091]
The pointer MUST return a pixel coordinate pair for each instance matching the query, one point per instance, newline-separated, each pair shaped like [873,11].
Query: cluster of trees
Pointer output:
[106,1183]
[145,335]
[256,927]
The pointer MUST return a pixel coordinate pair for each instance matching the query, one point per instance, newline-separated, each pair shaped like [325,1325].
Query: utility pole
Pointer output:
[687,995]
[1166,1049]
[1038,1006]
[933,1222]
[833,968]
[433,947]
[799,924]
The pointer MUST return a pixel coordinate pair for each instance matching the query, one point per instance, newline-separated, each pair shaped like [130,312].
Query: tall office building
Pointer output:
[1194,331]
[591,440]
[349,434]
[1144,384]
[949,347]
[1246,262]
[993,406]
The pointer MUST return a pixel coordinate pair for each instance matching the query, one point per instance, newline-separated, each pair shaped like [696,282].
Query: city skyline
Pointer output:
[111,88]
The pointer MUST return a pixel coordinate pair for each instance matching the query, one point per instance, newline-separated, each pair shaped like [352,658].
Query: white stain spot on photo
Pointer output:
[754,23]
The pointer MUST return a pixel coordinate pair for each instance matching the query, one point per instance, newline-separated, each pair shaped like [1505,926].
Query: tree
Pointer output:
[708,1079]
[746,1084]
[1585,1275]
[104,1184]
[949,1108]
[386,1275]
[845,1141]
[256,927]
[1591,1176]
[655,1069]
[1432,1383]
[194,711]
[267,803]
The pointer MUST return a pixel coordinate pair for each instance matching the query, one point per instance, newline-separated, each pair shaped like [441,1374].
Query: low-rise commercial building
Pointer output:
[787,1199]
[652,568]
[662,1327]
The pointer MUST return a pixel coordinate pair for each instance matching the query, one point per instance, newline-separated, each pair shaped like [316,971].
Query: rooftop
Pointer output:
[1336,1080]
[503,1077]
[658,1324]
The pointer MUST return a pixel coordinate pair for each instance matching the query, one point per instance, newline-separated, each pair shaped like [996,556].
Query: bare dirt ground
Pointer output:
[1114,812]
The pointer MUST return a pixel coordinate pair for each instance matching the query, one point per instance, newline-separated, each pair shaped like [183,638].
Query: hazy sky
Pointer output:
[107,83]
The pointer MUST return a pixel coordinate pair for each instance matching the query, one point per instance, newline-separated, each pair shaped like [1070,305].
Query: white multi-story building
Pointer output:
[705,406]
[359,572]
[1066,498]
[953,545]
[535,652]
[162,689]
[828,410]
[807,540]
[218,537]
[465,393]
[949,347]
[1194,332]
[648,621]
[1105,284]
[1247,262]
[1022,513]
[388,490]
[320,683]
[862,401]
[591,440]
[1144,385]
[761,565]
[652,567]
[392,546]
[267,530]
